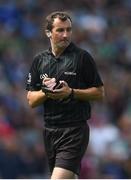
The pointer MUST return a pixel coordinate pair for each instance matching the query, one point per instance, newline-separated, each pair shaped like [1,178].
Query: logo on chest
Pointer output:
[70,73]
[43,76]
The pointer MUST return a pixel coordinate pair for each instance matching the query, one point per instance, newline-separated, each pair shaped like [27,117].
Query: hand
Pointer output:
[62,93]
[50,83]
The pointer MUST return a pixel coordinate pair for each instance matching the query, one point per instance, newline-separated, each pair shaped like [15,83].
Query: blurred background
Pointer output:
[102,27]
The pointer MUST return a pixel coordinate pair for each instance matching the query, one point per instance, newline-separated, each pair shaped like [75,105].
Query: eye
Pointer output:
[60,30]
[69,29]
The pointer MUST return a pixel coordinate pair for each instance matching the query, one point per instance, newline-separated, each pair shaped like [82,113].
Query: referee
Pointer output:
[64,79]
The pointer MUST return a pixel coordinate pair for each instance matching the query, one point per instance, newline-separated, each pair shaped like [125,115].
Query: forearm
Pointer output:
[36,98]
[89,94]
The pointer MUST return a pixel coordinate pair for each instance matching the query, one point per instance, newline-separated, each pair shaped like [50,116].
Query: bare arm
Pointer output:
[36,98]
[93,93]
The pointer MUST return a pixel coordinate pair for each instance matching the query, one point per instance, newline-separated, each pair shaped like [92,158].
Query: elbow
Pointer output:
[30,102]
[101,94]
[32,105]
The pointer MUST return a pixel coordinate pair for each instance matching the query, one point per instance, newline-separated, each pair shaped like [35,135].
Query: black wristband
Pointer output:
[71,96]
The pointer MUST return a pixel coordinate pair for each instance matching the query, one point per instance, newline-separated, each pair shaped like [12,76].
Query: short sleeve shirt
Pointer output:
[78,69]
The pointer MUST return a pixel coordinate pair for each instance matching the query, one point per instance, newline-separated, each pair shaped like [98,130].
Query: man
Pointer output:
[64,79]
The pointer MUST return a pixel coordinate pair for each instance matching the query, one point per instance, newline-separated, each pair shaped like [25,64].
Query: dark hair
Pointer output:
[63,16]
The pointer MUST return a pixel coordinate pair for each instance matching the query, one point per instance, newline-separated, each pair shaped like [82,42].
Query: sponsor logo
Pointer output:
[70,73]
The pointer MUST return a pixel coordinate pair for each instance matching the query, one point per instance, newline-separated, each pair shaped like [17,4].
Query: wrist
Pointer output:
[71,95]
[68,98]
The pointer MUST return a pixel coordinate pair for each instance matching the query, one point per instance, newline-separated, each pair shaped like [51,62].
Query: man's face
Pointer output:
[61,33]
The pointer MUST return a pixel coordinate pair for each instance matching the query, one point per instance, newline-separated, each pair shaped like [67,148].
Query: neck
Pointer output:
[57,51]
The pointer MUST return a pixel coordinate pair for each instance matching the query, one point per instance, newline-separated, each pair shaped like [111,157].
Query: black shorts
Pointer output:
[65,147]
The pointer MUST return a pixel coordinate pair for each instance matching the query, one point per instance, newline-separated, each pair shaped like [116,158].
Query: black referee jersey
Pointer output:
[78,69]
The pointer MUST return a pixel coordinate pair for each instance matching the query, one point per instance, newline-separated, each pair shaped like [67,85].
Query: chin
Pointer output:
[63,45]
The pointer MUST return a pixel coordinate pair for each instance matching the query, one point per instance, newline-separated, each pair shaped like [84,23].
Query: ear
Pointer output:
[48,33]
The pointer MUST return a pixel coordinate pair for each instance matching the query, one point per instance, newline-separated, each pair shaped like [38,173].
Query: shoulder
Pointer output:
[38,59]
[84,54]
[81,51]
[40,56]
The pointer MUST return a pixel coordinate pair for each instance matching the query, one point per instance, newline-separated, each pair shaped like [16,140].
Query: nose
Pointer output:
[65,33]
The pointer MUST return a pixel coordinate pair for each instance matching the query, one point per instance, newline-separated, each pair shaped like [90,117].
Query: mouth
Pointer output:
[65,41]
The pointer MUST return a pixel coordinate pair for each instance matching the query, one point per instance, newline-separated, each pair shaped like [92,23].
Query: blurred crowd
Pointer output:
[103,28]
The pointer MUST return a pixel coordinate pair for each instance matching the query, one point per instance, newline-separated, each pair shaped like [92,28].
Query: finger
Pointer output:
[58,90]
[52,96]
[49,95]
[46,79]
[50,82]
[64,83]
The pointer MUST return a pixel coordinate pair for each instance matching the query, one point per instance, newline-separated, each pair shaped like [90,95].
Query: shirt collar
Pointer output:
[69,48]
